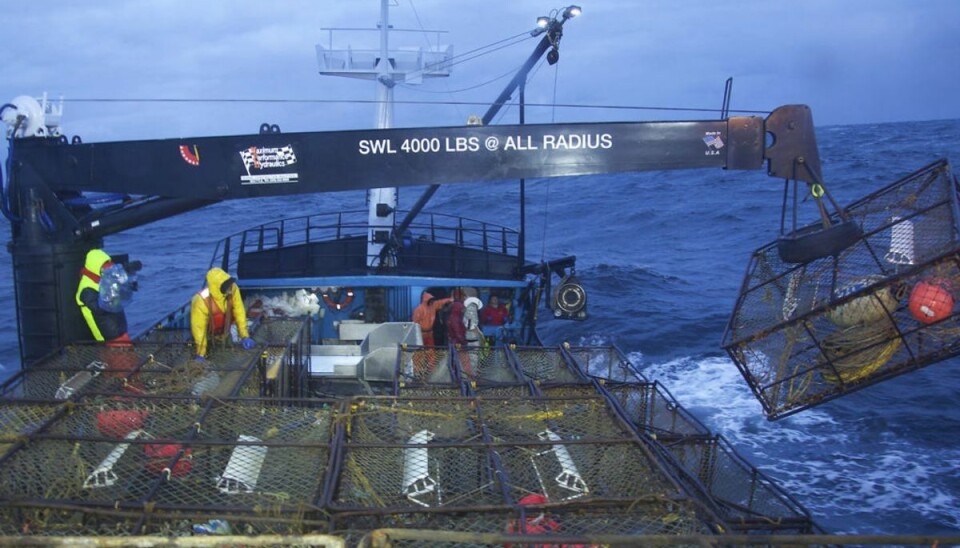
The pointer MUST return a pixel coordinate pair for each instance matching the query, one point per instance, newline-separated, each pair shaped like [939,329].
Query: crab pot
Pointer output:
[805,333]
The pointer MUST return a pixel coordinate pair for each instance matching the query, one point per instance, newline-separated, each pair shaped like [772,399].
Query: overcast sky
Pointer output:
[852,61]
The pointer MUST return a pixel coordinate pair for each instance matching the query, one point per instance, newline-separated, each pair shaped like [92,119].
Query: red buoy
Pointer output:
[930,302]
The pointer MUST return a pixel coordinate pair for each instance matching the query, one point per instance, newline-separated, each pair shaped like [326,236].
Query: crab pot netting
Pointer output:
[737,490]
[467,453]
[353,527]
[501,390]
[176,453]
[566,390]
[488,366]
[19,419]
[422,365]
[80,368]
[89,465]
[652,409]
[435,391]
[279,331]
[805,333]
[604,362]
[546,365]
[146,368]
[249,455]
[740,494]
[225,373]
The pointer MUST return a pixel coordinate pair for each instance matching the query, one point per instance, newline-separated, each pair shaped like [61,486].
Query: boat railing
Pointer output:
[429,228]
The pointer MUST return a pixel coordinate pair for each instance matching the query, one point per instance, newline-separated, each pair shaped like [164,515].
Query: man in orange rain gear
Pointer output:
[425,313]
[213,310]
[108,324]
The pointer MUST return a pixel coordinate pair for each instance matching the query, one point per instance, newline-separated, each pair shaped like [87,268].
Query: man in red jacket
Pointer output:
[494,313]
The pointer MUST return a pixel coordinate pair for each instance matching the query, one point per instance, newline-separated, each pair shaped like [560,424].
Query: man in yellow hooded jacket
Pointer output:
[212,311]
[109,326]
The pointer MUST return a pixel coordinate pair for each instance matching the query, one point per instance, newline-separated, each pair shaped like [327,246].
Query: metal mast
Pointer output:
[387,69]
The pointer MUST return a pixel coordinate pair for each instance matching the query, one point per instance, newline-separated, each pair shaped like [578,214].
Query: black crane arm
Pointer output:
[271,164]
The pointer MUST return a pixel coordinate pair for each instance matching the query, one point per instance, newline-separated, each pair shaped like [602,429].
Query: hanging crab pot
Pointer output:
[805,332]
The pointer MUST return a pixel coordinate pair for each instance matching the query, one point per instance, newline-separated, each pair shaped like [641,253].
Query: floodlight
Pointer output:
[571,11]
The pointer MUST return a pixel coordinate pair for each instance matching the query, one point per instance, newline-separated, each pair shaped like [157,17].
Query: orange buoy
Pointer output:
[930,302]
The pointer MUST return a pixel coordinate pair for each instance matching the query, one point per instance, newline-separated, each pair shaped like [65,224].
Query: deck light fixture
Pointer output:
[549,22]
[571,11]
[543,22]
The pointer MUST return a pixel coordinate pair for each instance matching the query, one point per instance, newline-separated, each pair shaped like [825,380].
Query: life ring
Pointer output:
[334,305]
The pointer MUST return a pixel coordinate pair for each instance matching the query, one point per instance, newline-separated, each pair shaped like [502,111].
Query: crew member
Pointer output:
[105,325]
[457,331]
[425,314]
[494,313]
[214,309]
[105,316]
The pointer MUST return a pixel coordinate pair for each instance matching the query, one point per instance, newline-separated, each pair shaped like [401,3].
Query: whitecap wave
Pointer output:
[840,470]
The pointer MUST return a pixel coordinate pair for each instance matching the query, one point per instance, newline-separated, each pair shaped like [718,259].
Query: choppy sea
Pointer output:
[662,256]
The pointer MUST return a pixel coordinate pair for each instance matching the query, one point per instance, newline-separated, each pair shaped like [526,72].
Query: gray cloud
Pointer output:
[853,61]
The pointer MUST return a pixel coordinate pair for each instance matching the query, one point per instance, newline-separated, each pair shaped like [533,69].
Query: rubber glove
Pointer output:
[199,359]
[248,343]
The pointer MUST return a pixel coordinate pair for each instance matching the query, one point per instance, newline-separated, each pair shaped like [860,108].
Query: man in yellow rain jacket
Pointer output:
[107,324]
[214,308]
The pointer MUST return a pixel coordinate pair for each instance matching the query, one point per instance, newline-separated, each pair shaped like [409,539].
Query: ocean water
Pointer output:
[662,256]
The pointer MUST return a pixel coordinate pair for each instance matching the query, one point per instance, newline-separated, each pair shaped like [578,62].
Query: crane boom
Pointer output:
[272,164]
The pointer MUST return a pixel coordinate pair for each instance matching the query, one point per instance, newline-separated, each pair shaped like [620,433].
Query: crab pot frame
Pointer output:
[805,333]
[536,442]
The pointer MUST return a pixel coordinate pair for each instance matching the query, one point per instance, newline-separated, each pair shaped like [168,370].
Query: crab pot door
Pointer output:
[805,333]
